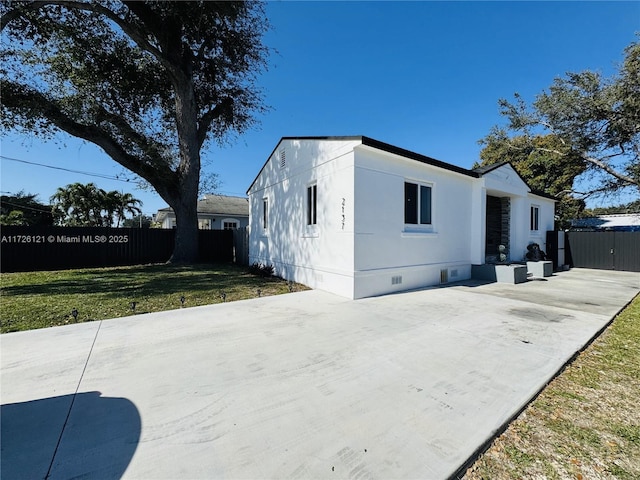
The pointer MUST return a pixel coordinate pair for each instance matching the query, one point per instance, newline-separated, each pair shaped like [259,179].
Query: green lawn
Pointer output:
[586,423]
[30,300]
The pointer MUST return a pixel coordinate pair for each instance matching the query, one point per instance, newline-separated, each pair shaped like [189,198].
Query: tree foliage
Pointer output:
[86,205]
[583,127]
[547,165]
[24,209]
[139,221]
[626,208]
[151,83]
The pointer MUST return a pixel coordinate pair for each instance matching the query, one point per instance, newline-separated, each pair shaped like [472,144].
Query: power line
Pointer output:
[91,174]
[26,207]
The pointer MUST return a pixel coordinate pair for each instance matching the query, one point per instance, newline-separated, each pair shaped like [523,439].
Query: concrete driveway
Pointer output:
[306,385]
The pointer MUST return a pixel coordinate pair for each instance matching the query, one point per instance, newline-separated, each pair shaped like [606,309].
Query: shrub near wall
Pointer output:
[59,248]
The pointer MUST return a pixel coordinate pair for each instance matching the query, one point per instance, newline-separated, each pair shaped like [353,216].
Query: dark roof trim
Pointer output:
[348,137]
[385,147]
[544,195]
[490,168]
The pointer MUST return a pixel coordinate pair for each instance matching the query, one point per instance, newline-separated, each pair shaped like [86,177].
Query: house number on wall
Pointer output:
[343,217]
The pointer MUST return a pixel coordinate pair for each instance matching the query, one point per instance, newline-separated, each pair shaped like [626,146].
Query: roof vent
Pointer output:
[283,158]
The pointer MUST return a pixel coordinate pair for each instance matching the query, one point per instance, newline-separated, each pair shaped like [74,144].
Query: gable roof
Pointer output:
[217,205]
[223,205]
[386,147]
[377,144]
[484,170]
[487,169]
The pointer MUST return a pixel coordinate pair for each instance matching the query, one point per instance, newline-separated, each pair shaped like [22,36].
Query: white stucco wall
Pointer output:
[320,256]
[361,246]
[214,221]
[391,256]
[505,182]
[545,221]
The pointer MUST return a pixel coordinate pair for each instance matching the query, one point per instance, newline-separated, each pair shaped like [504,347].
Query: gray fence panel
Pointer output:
[627,251]
[605,250]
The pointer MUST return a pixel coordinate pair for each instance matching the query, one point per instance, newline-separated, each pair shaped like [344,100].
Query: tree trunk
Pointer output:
[188,172]
[186,240]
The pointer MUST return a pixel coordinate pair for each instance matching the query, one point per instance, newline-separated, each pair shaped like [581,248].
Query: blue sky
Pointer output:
[425,76]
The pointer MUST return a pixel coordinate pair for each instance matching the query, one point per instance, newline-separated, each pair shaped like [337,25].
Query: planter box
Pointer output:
[540,269]
[500,273]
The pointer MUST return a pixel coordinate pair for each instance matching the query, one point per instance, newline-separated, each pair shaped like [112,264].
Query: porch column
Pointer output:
[478,224]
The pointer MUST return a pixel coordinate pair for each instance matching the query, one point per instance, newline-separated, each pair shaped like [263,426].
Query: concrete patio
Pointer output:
[305,385]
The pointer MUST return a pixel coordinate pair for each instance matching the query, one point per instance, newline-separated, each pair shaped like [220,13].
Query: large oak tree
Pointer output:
[584,127]
[149,82]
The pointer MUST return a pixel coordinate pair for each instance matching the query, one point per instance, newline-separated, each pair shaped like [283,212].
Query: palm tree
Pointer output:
[79,205]
[117,205]
[61,206]
[111,205]
[128,204]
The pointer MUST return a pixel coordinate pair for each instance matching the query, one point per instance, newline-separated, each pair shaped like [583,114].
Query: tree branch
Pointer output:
[41,106]
[220,109]
[625,179]
[130,30]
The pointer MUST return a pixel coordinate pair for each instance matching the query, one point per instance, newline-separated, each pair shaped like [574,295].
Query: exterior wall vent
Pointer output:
[283,158]
[454,273]
[444,276]
[397,280]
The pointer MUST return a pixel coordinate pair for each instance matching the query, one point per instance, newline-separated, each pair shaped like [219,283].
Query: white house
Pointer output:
[215,212]
[359,217]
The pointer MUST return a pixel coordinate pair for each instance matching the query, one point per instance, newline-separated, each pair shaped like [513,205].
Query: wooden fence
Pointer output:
[53,248]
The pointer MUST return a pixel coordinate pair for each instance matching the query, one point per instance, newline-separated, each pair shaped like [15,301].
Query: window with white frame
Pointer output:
[312,204]
[229,225]
[535,217]
[265,213]
[417,204]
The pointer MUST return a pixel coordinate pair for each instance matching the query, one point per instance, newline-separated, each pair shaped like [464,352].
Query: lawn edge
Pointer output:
[486,445]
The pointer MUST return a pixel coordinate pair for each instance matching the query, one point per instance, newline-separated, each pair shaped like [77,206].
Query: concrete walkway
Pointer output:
[306,385]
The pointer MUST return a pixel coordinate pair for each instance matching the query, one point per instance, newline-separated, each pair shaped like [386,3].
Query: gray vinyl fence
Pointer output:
[604,250]
[58,248]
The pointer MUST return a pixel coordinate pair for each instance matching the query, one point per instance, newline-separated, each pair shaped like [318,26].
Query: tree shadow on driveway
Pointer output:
[69,436]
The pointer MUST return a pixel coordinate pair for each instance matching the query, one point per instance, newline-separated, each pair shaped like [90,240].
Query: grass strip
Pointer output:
[586,423]
[30,300]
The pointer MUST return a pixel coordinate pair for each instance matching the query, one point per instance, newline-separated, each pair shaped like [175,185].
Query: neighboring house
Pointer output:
[358,217]
[625,222]
[215,212]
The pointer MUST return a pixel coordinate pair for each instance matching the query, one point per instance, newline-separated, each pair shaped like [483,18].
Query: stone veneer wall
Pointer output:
[505,211]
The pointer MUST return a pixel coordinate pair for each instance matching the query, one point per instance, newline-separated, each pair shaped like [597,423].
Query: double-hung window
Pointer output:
[535,215]
[312,204]
[417,204]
